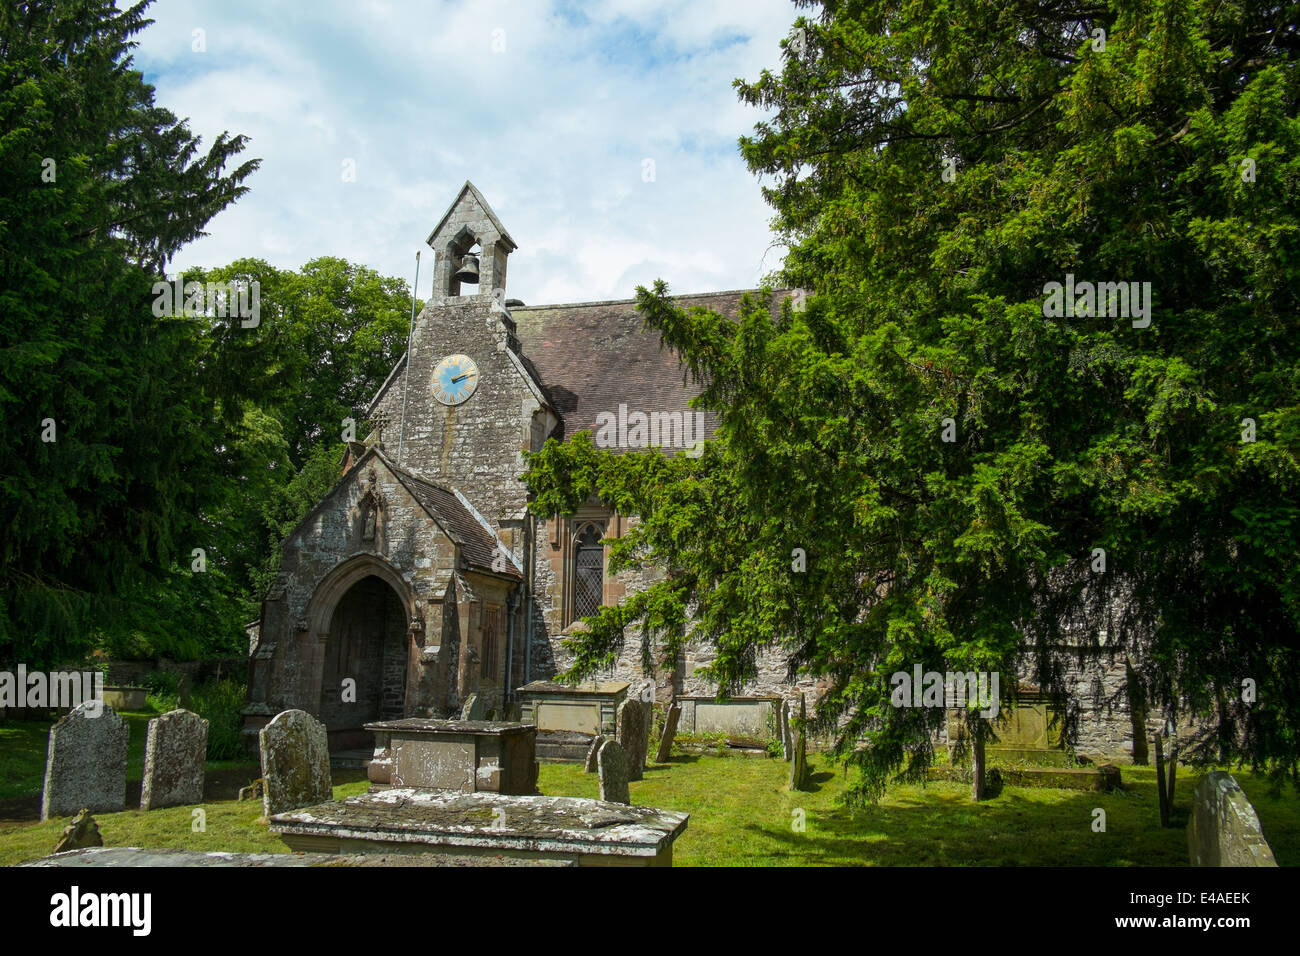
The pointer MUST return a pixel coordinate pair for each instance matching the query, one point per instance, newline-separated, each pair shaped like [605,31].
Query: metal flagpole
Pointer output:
[406,384]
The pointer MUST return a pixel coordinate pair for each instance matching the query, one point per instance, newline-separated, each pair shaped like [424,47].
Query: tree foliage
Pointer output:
[99,187]
[933,166]
[185,445]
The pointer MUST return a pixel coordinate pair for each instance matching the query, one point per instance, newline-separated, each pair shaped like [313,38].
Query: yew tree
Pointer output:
[110,439]
[970,479]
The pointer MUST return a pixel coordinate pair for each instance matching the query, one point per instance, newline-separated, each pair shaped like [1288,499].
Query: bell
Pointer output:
[468,271]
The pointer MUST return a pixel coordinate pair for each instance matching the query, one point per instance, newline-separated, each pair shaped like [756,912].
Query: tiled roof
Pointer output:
[593,356]
[478,545]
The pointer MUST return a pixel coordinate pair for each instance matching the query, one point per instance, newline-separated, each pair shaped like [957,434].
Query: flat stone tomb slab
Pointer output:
[137,857]
[408,820]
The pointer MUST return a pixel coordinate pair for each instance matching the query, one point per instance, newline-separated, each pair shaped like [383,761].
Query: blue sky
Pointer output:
[550,108]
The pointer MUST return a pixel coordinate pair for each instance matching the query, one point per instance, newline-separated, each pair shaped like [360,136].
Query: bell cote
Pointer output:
[470,248]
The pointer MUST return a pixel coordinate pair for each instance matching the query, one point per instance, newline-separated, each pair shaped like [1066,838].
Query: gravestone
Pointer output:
[86,766]
[79,834]
[670,731]
[175,751]
[473,709]
[647,726]
[295,762]
[593,751]
[646,694]
[252,792]
[1224,829]
[613,765]
[783,729]
[799,751]
[632,736]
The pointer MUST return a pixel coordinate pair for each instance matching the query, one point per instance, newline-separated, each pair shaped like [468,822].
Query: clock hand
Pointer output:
[459,377]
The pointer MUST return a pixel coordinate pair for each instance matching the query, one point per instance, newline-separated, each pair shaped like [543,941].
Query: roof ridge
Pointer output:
[684,295]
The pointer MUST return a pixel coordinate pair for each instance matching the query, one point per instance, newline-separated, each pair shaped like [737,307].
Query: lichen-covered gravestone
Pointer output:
[670,731]
[799,755]
[632,736]
[783,715]
[613,773]
[295,762]
[473,709]
[647,726]
[646,694]
[86,765]
[175,751]
[1224,829]
[252,792]
[592,752]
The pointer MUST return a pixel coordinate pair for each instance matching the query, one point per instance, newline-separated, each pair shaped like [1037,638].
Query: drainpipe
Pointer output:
[511,603]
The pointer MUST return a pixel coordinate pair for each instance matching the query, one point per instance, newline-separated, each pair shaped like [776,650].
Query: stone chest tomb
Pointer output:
[463,755]
[587,708]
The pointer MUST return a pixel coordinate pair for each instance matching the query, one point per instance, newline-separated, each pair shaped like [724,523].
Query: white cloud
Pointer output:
[553,130]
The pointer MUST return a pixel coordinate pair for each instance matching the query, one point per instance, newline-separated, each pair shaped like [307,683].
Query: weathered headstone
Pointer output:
[670,731]
[632,736]
[175,751]
[592,752]
[647,727]
[783,728]
[473,709]
[1224,828]
[799,755]
[79,834]
[86,765]
[613,765]
[252,792]
[295,762]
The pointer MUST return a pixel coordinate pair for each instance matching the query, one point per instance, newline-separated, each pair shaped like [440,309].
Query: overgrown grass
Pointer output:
[220,702]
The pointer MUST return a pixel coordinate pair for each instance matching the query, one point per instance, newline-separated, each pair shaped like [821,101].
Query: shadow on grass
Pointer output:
[938,826]
[674,760]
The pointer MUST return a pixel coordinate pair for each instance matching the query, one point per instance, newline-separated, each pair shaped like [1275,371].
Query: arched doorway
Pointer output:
[363,672]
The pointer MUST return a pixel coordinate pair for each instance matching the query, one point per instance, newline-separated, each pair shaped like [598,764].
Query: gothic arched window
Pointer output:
[588,570]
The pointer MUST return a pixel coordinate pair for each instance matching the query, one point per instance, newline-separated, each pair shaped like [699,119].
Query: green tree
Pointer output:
[952,453]
[108,432]
[329,335]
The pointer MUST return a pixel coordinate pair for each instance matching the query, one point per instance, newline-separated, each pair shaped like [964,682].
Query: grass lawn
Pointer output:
[741,815]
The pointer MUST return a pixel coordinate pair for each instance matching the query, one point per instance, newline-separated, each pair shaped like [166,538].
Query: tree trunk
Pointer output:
[1137,710]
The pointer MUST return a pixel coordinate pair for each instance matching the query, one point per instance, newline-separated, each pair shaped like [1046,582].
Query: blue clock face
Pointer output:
[455,379]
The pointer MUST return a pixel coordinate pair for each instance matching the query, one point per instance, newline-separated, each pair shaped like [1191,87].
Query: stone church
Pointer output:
[421,577]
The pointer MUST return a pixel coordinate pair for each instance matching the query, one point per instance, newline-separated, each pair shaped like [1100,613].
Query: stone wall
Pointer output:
[191,673]
[475,446]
